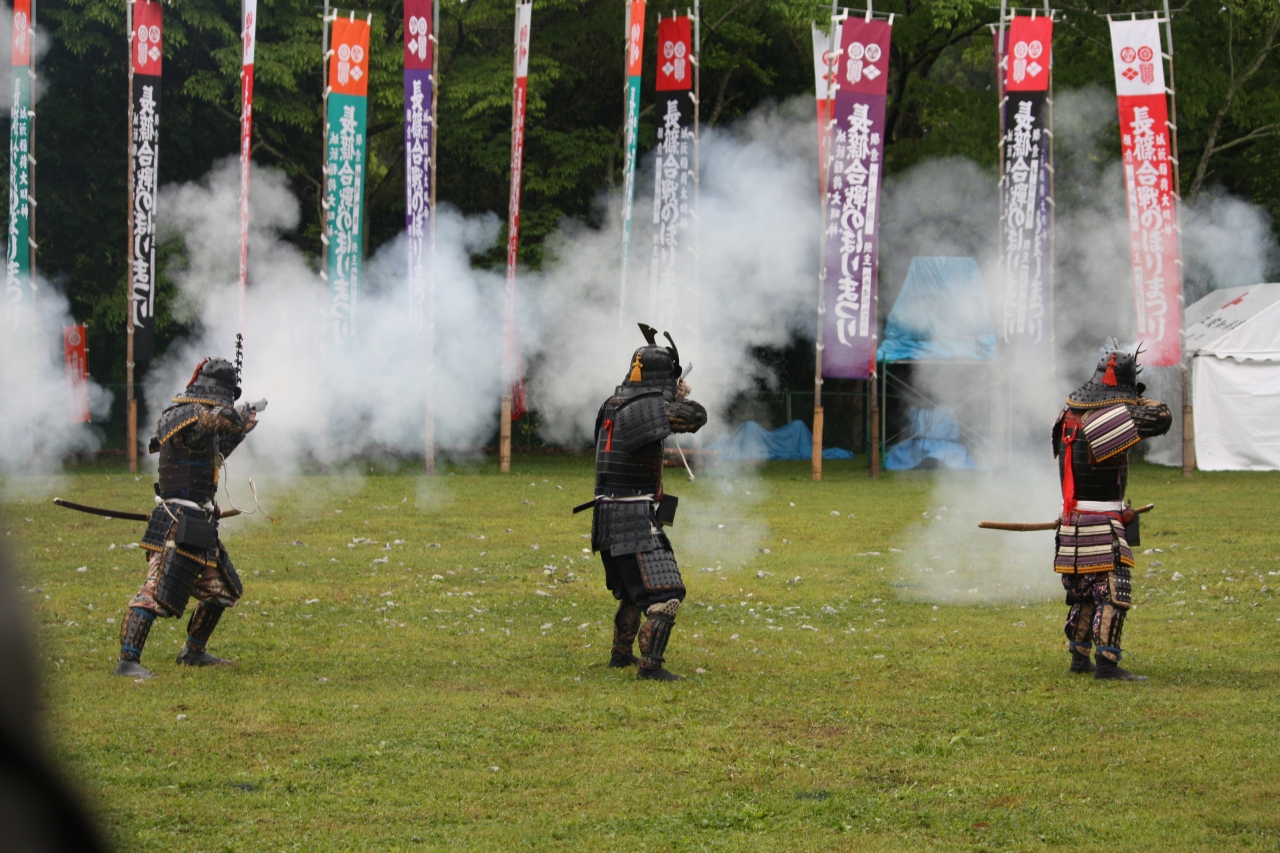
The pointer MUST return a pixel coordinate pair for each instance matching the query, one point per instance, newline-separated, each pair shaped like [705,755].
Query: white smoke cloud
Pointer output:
[36,432]
[931,210]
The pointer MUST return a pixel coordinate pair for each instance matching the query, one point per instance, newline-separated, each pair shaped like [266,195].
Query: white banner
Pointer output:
[1135,50]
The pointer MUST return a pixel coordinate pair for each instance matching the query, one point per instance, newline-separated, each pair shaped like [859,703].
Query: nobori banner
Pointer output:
[146,56]
[419,129]
[825,56]
[1025,228]
[1148,177]
[17,276]
[344,171]
[671,264]
[75,359]
[854,178]
[512,361]
[249,45]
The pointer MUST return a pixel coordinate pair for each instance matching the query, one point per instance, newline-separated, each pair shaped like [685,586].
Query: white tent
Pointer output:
[1233,338]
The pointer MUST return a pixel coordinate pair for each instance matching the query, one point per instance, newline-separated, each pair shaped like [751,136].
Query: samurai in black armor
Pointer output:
[630,507]
[185,557]
[1103,420]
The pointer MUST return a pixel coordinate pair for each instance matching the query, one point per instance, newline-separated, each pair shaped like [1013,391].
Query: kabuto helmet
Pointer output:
[1115,380]
[215,383]
[653,367]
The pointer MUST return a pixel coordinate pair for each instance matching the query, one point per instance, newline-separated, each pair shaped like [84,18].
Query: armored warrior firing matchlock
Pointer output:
[1103,420]
[630,506]
[185,557]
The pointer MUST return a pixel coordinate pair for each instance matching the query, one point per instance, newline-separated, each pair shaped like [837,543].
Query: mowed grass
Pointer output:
[451,692]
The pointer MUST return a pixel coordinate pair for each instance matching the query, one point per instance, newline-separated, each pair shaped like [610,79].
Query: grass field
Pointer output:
[422,667]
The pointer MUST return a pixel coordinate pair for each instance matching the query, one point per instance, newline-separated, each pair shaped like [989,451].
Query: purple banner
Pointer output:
[418,127]
[854,178]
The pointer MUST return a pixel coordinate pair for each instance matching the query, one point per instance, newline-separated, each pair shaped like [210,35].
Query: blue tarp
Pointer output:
[752,441]
[940,315]
[934,442]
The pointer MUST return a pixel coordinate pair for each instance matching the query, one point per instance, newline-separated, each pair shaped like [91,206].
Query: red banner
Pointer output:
[1148,177]
[675,47]
[248,35]
[512,363]
[21,32]
[635,38]
[1027,65]
[75,356]
[419,49]
[148,51]
[349,60]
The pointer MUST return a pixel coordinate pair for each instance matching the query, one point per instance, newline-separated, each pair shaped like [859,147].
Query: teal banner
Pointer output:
[344,203]
[17,277]
[629,183]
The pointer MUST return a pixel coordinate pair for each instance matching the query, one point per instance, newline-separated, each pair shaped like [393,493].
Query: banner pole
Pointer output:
[816,460]
[504,426]
[31,171]
[1188,420]
[430,308]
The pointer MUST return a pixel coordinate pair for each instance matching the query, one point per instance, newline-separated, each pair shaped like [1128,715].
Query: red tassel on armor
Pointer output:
[608,427]
[196,374]
[1109,378]
[1070,429]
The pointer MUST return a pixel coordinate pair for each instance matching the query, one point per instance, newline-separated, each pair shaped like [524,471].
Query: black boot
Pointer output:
[1109,670]
[134,629]
[626,622]
[203,621]
[654,634]
[1080,661]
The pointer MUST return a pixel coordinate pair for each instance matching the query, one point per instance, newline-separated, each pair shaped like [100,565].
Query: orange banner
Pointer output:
[349,59]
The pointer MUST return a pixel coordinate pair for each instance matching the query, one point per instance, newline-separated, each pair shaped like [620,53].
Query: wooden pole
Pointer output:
[875,424]
[429,427]
[816,455]
[1188,432]
[504,436]
[131,402]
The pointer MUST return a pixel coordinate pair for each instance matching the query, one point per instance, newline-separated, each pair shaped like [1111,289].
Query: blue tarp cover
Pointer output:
[935,435]
[752,441]
[940,315]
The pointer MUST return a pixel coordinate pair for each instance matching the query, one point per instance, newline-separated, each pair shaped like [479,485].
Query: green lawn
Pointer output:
[451,693]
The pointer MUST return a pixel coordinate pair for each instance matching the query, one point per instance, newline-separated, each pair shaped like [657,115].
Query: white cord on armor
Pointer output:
[252,485]
[682,459]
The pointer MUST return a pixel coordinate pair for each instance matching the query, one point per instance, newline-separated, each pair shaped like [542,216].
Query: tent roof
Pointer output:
[1241,323]
[940,315]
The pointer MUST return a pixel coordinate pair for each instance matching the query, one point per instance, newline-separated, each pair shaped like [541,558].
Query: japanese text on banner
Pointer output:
[1148,174]
[344,168]
[671,263]
[419,127]
[850,257]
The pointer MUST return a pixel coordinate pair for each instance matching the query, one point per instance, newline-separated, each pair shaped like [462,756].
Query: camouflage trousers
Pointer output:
[211,587]
[1098,602]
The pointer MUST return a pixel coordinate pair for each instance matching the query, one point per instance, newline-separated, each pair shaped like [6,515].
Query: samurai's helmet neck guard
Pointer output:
[1114,381]
[653,367]
[214,383]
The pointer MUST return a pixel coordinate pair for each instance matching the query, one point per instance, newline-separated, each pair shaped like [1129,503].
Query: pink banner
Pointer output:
[512,363]
[246,145]
[1148,177]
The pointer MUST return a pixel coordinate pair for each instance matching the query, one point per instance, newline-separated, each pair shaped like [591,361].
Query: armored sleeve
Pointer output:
[1151,417]
[1109,431]
[686,415]
[223,424]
